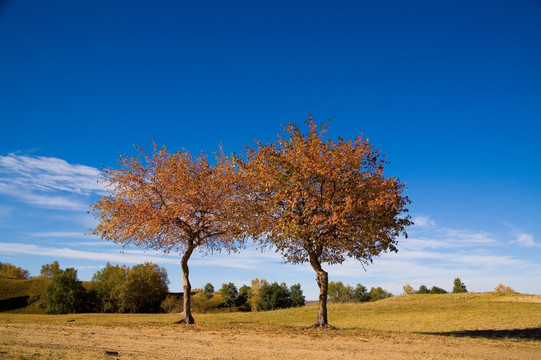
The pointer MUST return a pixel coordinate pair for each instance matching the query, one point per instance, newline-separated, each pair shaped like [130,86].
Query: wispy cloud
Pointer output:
[47,182]
[250,259]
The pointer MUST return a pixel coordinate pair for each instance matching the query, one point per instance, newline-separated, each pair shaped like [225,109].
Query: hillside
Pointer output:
[462,326]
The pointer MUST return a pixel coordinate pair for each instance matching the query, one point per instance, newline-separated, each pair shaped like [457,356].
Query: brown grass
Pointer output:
[466,326]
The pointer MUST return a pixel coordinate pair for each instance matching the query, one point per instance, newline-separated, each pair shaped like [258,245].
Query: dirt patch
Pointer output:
[75,341]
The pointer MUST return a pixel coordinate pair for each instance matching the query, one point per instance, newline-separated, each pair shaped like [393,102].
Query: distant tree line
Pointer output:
[458,287]
[340,293]
[13,272]
[260,296]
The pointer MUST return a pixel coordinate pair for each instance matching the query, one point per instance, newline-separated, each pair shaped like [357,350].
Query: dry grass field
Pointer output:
[451,326]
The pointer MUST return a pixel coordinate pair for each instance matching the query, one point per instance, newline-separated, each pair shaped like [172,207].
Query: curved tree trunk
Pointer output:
[187,317]
[323,283]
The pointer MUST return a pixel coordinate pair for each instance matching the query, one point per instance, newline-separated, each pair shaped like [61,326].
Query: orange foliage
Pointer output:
[320,201]
[325,199]
[173,202]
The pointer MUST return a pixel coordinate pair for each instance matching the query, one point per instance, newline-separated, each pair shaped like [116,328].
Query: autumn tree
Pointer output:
[321,201]
[172,202]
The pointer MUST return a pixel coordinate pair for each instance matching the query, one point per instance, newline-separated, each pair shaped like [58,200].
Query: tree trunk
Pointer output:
[187,317]
[323,283]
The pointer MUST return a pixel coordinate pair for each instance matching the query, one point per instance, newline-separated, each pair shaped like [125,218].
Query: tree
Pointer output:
[64,294]
[141,288]
[340,293]
[255,293]
[297,298]
[173,202]
[360,293]
[423,290]
[274,296]
[408,289]
[208,290]
[145,288]
[321,201]
[242,299]
[108,284]
[379,294]
[12,271]
[229,294]
[459,286]
[50,270]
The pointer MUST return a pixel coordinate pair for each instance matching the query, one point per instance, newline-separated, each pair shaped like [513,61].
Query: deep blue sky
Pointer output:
[449,90]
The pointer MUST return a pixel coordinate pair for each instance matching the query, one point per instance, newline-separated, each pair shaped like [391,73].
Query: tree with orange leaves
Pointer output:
[172,202]
[320,201]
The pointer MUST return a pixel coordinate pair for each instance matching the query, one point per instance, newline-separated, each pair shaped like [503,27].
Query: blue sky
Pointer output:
[449,90]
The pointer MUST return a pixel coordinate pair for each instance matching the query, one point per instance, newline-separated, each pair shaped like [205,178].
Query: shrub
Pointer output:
[408,289]
[64,294]
[502,289]
[437,290]
[201,304]
[172,304]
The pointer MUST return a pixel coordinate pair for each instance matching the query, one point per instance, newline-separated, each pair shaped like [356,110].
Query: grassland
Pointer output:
[467,326]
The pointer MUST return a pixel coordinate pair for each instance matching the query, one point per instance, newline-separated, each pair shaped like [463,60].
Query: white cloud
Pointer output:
[249,259]
[48,173]
[49,183]
[423,221]
[525,240]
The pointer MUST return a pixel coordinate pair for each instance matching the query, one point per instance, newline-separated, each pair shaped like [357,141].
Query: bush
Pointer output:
[64,294]
[502,289]
[201,304]
[172,304]
[13,272]
[437,290]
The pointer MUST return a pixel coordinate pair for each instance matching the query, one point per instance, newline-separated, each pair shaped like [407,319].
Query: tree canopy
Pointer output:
[172,202]
[321,201]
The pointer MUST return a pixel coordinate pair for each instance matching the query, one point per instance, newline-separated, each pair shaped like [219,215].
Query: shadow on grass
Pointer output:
[521,334]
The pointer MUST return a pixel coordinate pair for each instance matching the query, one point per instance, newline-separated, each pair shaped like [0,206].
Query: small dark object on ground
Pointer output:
[70,320]
[112,353]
